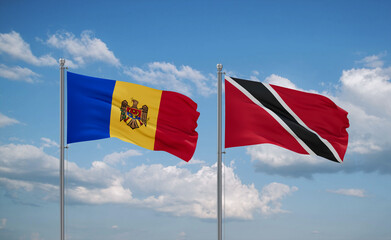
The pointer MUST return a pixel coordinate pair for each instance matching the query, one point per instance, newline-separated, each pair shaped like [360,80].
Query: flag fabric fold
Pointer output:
[302,122]
[154,119]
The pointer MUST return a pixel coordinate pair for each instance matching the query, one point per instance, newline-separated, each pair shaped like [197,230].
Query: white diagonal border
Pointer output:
[275,116]
[282,102]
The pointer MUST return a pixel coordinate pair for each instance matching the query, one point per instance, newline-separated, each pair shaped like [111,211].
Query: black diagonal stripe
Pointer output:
[264,96]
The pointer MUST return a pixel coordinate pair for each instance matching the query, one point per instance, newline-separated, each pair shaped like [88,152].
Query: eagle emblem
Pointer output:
[132,115]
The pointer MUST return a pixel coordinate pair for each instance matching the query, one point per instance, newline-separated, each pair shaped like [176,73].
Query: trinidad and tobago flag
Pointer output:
[302,122]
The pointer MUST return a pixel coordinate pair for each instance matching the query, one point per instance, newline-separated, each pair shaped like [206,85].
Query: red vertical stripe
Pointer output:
[176,124]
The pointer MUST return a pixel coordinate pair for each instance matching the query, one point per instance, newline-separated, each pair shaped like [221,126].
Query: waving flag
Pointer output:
[302,122]
[150,118]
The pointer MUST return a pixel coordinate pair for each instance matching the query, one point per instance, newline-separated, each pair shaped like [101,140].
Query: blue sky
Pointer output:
[116,190]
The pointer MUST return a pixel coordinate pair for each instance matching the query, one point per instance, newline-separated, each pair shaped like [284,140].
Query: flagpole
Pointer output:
[219,152]
[62,63]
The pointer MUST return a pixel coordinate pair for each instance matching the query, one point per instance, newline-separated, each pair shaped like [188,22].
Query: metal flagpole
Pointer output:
[62,62]
[219,153]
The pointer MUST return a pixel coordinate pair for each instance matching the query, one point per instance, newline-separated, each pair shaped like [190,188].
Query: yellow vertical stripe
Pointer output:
[142,135]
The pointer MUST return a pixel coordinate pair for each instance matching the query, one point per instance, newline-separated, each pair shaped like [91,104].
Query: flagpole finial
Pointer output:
[219,67]
[62,61]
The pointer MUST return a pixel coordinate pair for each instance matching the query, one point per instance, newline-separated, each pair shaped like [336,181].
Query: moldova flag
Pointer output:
[153,119]
[302,122]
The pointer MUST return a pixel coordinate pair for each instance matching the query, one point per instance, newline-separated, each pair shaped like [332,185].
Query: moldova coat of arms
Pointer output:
[132,115]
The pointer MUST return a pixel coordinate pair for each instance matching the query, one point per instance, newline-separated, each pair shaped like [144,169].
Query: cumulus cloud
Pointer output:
[16,184]
[36,236]
[350,192]
[170,77]
[365,94]
[115,193]
[280,81]
[374,61]
[254,76]
[83,49]
[368,89]
[3,223]
[271,196]
[180,192]
[30,163]
[26,185]
[6,121]
[48,143]
[272,159]
[18,74]
[170,189]
[181,236]
[369,133]
[191,162]
[26,167]
[120,157]
[13,45]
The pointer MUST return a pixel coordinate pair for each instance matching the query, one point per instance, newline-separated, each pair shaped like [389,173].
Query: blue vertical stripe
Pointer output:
[89,107]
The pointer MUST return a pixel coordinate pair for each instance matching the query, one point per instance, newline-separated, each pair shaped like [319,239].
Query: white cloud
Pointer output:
[18,74]
[349,192]
[115,193]
[365,94]
[280,81]
[13,44]
[3,223]
[99,174]
[84,49]
[373,61]
[15,139]
[170,189]
[120,157]
[271,196]
[180,192]
[24,160]
[368,132]
[191,162]
[6,121]
[369,89]
[16,184]
[36,236]
[48,143]
[254,76]
[28,167]
[276,160]
[181,236]
[169,77]
[27,186]
[275,156]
